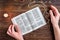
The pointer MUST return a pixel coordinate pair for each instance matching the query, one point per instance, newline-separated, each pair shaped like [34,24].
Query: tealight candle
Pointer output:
[5,15]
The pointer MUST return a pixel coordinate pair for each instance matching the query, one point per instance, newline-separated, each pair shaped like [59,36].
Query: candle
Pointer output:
[5,15]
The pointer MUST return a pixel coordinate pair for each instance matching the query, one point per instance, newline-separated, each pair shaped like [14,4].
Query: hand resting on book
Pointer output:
[55,16]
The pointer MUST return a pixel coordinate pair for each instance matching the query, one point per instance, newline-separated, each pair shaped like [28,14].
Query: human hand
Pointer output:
[15,34]
[55,16]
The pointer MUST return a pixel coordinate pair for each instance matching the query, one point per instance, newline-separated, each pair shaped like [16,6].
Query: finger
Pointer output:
[9,29]
[17,28]
[55,10]
[51,13]
[59,14]
[8,33]
[13,29]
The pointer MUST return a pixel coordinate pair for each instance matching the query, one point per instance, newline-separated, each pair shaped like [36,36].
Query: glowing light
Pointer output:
[5,15]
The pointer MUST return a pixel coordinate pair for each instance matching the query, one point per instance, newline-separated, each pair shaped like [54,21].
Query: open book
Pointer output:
[30,20]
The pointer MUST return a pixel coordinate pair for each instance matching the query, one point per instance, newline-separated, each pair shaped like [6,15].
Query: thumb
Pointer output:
[51,13]
[17,28]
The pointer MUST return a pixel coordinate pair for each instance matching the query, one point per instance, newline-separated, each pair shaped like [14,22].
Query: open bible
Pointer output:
[30,20]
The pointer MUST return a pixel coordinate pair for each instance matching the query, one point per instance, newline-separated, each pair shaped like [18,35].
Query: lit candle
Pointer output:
[5,15]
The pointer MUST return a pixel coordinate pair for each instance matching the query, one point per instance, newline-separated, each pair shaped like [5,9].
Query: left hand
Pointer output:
[15,34]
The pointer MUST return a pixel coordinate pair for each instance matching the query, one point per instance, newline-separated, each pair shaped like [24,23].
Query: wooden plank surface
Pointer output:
[14,8]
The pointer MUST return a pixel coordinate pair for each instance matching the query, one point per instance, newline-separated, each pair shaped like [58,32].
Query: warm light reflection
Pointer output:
[5,15]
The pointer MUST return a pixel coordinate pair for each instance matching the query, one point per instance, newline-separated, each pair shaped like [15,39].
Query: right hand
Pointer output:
[55,16]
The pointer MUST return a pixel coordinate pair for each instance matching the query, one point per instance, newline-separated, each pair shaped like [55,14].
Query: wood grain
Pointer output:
[14,8]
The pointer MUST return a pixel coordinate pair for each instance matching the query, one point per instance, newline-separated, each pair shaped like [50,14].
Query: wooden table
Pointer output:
[8,6]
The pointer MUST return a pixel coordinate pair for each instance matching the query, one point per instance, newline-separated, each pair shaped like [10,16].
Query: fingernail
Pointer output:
[50,10]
